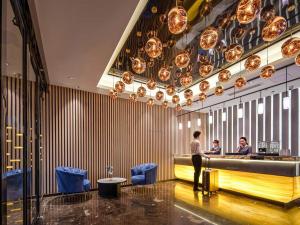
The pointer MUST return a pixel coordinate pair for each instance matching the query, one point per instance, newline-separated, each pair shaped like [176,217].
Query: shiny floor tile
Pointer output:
[167,203]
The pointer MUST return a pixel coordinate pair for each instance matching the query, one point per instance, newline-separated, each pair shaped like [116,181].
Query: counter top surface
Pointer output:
[246,157]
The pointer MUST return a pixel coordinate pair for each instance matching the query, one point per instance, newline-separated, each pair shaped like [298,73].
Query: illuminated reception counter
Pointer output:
[275,180]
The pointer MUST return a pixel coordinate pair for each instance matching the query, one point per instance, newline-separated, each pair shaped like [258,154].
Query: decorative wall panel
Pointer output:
[275,124]
[91,131]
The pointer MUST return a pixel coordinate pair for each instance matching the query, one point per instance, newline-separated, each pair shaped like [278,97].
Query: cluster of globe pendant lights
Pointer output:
[247,12]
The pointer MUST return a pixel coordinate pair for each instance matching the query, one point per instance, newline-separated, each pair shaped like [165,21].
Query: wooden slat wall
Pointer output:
[91,131]
[185,136]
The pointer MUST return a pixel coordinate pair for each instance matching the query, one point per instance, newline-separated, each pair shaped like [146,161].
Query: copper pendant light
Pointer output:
[178,107]
[150,102]
[233,53]
[219,90]
[240,82]
[119,87]
[297,60]
[151,84]
[113,94]
[133,97]
[247,10]
[204,86]
[291,47]
[221,46]
[175,99]
[274,28]
[188,93]
[238,33]
[153,47]
[182,60]
[164,73]
[127,77]
[141,91]
[170,90]
[159,95]
[165,104]
[177,20]
[138,65]
[267,71]
[209,38]
[224,76]
[206,69]
[268,13]
[202,97]
[224,21]
[252,63]
[186,79]
[189,102]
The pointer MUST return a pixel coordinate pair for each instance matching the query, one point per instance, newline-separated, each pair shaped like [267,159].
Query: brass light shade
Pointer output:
[224,75]
[119,86]
[252,63]
[150,102]
[202,96]
[234,52]
[238,32]
[274,28]
[219,90]
[268,13]
[189,102]
[177,20]
[186,79]
[267,71]
[170,90]
[113,94]
[188,93]
[175,99]
[165,104]
[164,73]
[153,47]
[141,91]
[240,82]
[204,86]
[291,47]
[127,77]
[206,69]
[247,10]
[133,97]
[209,38]
[182,60]
[159,95]
[297,60]
[138,65]
[151,84]
[178,107]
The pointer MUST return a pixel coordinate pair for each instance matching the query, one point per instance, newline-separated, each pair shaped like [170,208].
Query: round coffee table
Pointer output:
[110,187]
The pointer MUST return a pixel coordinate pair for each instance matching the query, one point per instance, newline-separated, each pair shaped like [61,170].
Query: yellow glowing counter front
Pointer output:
[273,180]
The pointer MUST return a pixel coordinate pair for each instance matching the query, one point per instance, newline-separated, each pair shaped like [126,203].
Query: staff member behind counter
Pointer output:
[244,148]
[215,149]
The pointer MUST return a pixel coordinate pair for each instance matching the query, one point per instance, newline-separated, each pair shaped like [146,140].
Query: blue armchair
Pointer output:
[72,180]
[144,174]
[13,184]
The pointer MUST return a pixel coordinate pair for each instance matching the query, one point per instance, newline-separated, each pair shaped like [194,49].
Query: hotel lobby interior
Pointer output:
[150,112]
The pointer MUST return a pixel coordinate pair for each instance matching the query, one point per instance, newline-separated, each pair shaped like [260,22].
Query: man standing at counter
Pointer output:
[196,158]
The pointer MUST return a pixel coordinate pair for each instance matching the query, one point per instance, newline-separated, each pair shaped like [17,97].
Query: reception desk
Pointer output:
[274,178]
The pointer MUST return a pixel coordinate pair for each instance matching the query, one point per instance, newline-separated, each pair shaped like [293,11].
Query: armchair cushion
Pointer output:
[138,179]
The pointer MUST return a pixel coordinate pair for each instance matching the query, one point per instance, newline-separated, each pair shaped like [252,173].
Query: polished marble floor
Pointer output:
[166,203]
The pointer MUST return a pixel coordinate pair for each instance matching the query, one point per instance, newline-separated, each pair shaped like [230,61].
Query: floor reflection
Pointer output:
[167,203]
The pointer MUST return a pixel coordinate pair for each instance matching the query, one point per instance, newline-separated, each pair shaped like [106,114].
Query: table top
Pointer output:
[113,180]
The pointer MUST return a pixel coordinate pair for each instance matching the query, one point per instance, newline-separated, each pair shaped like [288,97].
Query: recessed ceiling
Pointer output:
[79,38]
